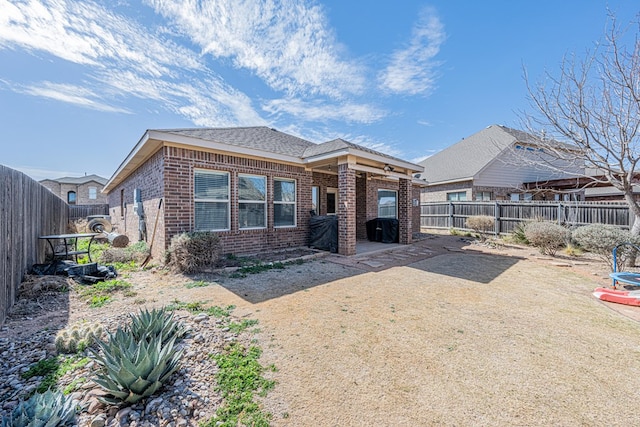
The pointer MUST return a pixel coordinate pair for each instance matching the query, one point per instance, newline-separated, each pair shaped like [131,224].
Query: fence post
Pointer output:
[496,223]
[560,213]
[450,214]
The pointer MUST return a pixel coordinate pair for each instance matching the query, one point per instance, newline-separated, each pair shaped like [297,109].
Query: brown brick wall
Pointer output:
[405,212]
[323,181]
[82,192]
[149,179]
[438,193]
[346,210]
[179,215]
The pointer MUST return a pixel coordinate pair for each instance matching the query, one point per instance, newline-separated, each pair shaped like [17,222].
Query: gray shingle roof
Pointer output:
[464,159]
[339,144]
[79,180]
[259,138]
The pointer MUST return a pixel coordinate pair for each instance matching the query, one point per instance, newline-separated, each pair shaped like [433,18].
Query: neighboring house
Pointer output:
[256,188]
[83,190]
[489,165]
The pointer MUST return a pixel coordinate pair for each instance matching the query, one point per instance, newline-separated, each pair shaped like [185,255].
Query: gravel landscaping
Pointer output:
[454,334]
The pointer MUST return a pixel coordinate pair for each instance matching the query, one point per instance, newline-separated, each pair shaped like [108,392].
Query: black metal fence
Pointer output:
[508,214]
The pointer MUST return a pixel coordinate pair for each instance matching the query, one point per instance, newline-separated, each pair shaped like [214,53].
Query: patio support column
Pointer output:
[405,212]
[346,210]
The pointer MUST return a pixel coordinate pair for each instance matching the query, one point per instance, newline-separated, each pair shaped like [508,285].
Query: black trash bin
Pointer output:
[323,232]
[385,230]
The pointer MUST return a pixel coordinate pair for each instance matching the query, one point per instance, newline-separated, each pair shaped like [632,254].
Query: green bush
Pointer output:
[600,239]
[548,237]
[193,252]
[481,224]
[518,234]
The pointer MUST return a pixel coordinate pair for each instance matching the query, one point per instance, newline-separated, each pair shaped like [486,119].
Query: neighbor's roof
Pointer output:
[79,180]
[464,159]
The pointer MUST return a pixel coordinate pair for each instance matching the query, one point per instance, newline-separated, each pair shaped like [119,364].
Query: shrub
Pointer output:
[518,234]
[547,236]
[136,252]
[600,239]
[193,252]
[481,224]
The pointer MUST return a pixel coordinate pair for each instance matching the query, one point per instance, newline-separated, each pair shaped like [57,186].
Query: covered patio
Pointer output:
[349,179]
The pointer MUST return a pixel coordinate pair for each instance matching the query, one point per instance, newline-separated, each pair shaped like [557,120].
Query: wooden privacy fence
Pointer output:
[507,214]
[27,210]
[83,211]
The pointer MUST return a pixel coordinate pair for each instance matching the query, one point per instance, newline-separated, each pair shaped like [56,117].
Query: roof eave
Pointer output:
[411,167]
[153,140]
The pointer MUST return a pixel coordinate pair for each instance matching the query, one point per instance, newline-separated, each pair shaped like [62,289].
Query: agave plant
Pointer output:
[135,368]
[154,323]
[49,409]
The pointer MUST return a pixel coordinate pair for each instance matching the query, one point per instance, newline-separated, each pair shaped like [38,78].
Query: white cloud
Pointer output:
[71,94]
[88,34]
[322,111]
[122,59]
[287,43]
[412,69]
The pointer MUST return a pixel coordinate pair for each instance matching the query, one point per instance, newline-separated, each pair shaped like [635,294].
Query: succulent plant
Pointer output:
[78,337]
[135,368]
[49,409]
[154,323]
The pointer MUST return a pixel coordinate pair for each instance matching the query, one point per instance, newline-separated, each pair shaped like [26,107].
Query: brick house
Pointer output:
[83,190]
[491,165]
[257,187]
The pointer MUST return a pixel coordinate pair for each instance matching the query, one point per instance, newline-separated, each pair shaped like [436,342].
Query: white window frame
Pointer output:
[315,199]
[280,202]
[333,190]
[480,196]
[457,199]
[395,214]
[253,202]
[93,193]
[227,200]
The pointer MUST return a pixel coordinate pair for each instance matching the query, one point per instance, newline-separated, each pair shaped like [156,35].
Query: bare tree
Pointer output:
[593,104]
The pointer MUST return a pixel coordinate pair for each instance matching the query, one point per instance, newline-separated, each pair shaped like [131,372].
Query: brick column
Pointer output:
[346,210]
[405,212]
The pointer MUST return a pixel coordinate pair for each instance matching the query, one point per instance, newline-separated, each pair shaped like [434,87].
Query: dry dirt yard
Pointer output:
[468,335]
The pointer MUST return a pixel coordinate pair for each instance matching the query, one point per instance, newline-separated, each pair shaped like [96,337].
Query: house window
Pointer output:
[211,196]
[527,197]
[483,196]
[284,202]
[71,197]
[315,199]
[252,201]
[387,204]
[459,196]
[93,193]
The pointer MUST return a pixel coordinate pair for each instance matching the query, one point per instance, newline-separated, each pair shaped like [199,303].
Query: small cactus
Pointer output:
[78,337]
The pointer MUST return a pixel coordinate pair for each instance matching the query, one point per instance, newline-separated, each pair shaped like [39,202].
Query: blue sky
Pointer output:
[81,81]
